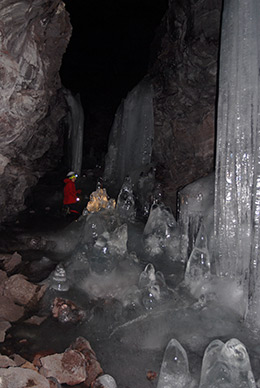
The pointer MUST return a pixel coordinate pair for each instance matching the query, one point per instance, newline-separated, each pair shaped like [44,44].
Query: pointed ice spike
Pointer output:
[198,266]
[201,239]
[210,356]
[174,371]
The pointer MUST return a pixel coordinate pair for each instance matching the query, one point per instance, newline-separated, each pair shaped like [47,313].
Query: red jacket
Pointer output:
[70,192]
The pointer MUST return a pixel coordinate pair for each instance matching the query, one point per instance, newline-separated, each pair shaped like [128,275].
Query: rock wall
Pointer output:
[184,71]
[33,37]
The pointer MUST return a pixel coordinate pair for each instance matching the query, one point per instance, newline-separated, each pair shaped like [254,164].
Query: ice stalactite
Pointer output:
[131,139]
[76,131]
[237,184]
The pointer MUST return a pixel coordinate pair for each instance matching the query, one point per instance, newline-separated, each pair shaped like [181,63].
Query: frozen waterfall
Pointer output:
[76,130]
[237,185]
[130,142]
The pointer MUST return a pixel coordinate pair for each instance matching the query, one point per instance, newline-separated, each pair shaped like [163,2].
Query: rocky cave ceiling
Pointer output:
[182,65]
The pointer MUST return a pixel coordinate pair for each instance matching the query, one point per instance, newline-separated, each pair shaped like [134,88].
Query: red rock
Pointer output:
[66,311]
[20,290]
[150,375]
[93,367]
[10,261]
[39,355]
[67,368]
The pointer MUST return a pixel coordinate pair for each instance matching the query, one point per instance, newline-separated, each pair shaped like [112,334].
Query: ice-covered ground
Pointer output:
[128,275]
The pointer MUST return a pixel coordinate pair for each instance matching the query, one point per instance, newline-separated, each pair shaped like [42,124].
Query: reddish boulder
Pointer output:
[21,291]
[10,261]
[67,368]
[10,311]
[93,367]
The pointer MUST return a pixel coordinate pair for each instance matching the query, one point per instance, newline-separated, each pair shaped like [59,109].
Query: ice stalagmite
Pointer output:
[174,371]
[237,185]
[226,366]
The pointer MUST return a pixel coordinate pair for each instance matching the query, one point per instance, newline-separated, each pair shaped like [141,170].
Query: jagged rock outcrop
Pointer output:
[184,71]
[33,37]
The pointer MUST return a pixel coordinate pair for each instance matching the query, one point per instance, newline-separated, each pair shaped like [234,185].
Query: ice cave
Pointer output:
[155,281]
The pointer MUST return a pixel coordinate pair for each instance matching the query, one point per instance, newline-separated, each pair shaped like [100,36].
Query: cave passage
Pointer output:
[108,54]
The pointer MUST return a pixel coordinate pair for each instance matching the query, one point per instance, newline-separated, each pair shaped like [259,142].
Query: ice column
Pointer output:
[76,131]
[237,184]
[130,142]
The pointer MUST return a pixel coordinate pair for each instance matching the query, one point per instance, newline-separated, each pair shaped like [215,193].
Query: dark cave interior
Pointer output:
[108,54]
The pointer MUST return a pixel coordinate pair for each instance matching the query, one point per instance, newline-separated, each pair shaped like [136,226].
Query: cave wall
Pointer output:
[34,35]
[184,71]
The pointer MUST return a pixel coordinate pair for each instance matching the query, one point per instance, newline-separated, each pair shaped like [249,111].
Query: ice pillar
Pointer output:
[76,131]
[237,184]
[131,139]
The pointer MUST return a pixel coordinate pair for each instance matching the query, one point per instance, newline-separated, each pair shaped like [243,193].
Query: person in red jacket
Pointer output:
[71,199]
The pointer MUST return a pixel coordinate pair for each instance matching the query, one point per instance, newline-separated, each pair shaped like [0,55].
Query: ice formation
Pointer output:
[59,279]
[112,260]
[226,365]
[161,233]
[174,371]
[237,189]
[195,206]
[130,142]
[198,265]
[126,200]
[76,129]
[107,381]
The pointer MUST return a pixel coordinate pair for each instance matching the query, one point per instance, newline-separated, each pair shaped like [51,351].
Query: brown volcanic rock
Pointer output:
[67,368]
[93,367]
[10,261]
[22,292]
[184,70]
[10,311]
[33,38]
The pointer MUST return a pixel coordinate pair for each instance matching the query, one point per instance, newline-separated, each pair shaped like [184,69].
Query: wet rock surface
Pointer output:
[76,365]
[33,39]
[184,72]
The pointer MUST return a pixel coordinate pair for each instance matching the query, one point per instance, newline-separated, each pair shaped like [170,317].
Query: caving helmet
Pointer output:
[72,175]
